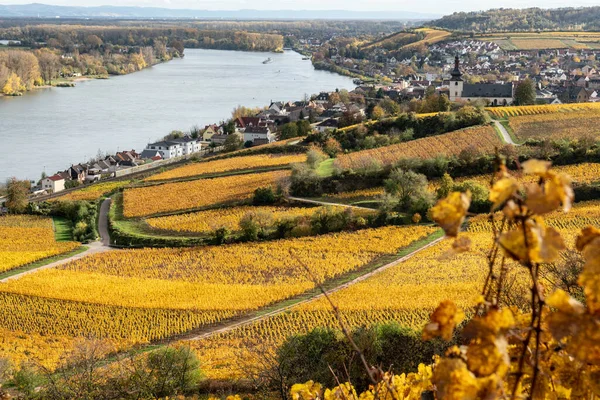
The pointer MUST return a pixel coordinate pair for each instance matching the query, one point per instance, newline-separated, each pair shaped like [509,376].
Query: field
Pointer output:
[207,221]
[391,41]
[406,294]
[169,197]
[136,296]
[229,164]
[543,40]
[26,239]
[483,137]
[432,36]
[92,192]
[556,126]
[515,111]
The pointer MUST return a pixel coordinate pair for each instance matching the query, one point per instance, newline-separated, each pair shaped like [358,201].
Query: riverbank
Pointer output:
[127,112]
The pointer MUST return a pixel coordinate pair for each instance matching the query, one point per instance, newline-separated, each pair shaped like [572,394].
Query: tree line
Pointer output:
[529,19]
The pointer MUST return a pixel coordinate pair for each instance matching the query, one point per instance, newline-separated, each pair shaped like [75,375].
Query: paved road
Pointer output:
[505,134]
[93,248]
[325,203]
[103,222]
[229,326]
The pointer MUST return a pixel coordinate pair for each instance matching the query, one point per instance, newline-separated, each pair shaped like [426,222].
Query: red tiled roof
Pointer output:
[56,178]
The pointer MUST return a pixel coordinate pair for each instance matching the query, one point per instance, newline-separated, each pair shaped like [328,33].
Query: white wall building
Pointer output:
[175,148]
[53,184]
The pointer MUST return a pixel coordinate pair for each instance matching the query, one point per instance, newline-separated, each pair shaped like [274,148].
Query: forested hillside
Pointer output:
[585,18]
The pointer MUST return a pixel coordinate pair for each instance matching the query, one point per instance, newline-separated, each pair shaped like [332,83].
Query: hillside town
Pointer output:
[561,75]
[467,77]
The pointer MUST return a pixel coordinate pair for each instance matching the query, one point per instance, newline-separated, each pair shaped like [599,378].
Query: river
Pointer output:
[50,129]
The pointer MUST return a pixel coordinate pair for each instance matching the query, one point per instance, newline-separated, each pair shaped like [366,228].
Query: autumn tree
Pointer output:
[16,195]
[525,93]
[49,64]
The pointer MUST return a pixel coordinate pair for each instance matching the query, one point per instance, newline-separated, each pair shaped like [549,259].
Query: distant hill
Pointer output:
[50,11]
[528,19]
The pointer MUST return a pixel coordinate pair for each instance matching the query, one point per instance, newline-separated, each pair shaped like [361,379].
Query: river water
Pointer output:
[50,129]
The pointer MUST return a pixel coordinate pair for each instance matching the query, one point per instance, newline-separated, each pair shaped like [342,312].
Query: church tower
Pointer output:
[456,82]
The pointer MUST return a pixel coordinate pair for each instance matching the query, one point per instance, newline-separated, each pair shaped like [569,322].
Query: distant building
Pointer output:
[53,184]
[261,133]
[495,93]
[172,148]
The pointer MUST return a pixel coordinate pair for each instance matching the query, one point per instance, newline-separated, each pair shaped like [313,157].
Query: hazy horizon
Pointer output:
[436,7]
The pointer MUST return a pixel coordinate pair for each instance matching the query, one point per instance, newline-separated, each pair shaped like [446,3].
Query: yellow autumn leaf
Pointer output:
[443,321]
[588,234]
[454,381]
[503,190]
[536,167]
[306,391]
[449,213]
[537,243]
[565,303]
[488,355]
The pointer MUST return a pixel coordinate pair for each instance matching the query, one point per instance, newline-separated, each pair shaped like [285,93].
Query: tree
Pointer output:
[178,45]
[378,112]
[16,195]
[233,142]
[49,65]
[93,41]
[525,93]
[229,127]
[289,130]
[410,190]
[13,85]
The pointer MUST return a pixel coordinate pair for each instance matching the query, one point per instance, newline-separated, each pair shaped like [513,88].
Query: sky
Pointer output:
[432,6]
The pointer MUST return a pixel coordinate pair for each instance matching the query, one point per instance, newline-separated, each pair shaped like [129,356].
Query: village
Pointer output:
[479,73]
[561,75]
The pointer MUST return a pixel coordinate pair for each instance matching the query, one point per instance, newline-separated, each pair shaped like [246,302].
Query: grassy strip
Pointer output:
[63,229]
[326,168]
[511,132]
[43,262]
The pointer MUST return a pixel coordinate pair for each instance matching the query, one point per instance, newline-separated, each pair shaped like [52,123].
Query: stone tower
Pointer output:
[456,82]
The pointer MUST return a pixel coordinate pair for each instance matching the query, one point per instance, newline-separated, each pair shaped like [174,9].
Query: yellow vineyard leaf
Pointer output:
[450,212]
[443,321]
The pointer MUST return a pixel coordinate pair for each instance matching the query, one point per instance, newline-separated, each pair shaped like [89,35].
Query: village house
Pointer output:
[258,134]
[53,184]
[209,131]
[328,124]
[77,173]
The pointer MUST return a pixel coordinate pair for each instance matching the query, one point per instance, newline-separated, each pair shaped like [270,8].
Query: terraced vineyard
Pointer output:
[515,111]
[25,239]
[92,192]
[208,221]
[483,137]
[169,197]
[228,165]
[570,125]
[136,296]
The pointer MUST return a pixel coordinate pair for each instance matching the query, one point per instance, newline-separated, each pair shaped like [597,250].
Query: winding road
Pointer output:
[96,247]
[505,135]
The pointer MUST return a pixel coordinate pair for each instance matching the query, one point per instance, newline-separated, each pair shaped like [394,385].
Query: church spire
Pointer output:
[456,74]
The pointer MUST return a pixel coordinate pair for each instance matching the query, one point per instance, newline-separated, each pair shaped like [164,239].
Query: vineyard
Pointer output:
[557,126]
[26,239]
[92,192]
[483,137]
[432,36]
[406,294]
[136,296]
[229,164]
[516,111]
[583,214]
[207,221]
[144,201]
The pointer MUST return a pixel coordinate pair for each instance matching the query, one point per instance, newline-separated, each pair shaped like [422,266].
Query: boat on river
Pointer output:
[268,61]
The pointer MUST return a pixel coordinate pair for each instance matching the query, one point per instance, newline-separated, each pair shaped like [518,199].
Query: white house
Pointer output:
[174,147]
[53,184]
[261,134]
